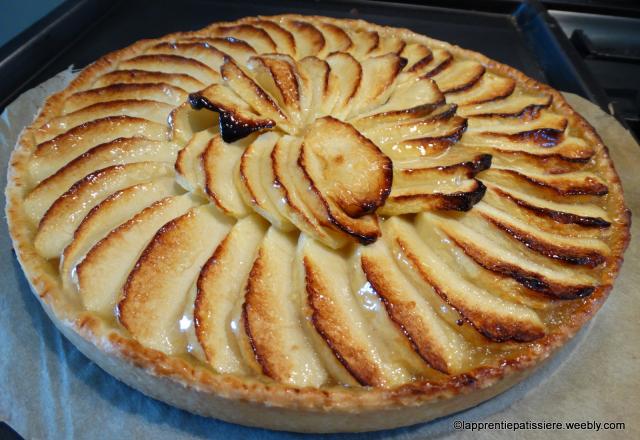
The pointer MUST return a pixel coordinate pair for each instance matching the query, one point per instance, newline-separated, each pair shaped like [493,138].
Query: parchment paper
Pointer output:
[48,389]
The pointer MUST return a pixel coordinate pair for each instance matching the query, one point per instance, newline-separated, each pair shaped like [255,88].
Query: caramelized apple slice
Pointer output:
[199,51]
[497,319]
[256,180]
[271,318]
[492,250]
[284,40]
[377,83]
[189,167]
[135,76]
[106,216]
[575,250]
[417,56]
[389,45]
[118,152]
[117,92]
[54,154]
[349,173]
[219,288]
[518,104]
[344,81]
[335,38]
[490,87]
[104,269]
[315,73]
[452,158]
[150,110]
[440,61]
[431,338]
[334,314]
[364,42]
[237,49]
[567,184]
[544,126]
[185,121]
[172,64]
[255,36]
[309,40]
[462,75]
[220,160]
[154,295]
[56,227]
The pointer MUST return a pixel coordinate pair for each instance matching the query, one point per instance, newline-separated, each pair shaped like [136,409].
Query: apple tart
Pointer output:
[313,224]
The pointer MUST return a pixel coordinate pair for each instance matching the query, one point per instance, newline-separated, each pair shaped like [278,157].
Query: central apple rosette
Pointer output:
[327,145]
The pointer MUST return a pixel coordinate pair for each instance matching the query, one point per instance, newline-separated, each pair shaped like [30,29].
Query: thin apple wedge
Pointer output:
[285,42]
[219,162]
[565,184]
[461,76]
[219,287]
[437,343]
[256,37]
[106,216]
[150,110]
[440,61]
[417,55]
[118,152]
[309,40]
[173,64]
[451,158]
[188,165]
[136,76]
[154,294]
[335,38]
[316,73]
[497,319]
[105,267]
[545,124]
[489,88]
[116,92]
[56,227]
[237,49]
[199,51]
[185,121]
[344,81]
[271,318]
[364,42]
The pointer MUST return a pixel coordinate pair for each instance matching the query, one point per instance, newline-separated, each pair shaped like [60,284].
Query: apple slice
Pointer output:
[54,154]
[495,318]
[315,74]
[172,64]
[516,105]
[389,45]
[336,317]
[544,126]
[451,158]
[104,269]
[118,152]
[185,120]
[188,165]
[567,184]
[258,38]
[271,317]
[379,75]
[417,56]
[219,161]
[344,82]
[135,76]
[439,61]
[284,40]
[349,173]
[150,110]
[575,250]
[496,252]
[335,38]
[490,87]
[154,294]
[219,287]
[309,40]
[437,343]
[199,51]
[461,76]
[302,207]
[237,49]
[255,180]
[364,42]
[106,216]
[56,227]
[117,92]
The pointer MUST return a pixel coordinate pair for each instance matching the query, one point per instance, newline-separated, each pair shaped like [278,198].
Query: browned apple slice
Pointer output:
[255,36]
[106,216]
[490,87]
[220,160]
[185,121]
[236,119]
[271,318]
[439,345]
[335,38]
[389,44]
[315,73]
[309,40]
[172,64]
[104,270]
[117,92]
[237,49]
[150,110]
[302,207]
[440,61]
[199,51]
[219,287]
[364,42]
[54,154]
[516,105]
[120,151]
[462,75]
[335,316]
[567,184]
[56,227]
[255,180]
[350,174]
[544,128]
[344,82]
[497,319]
[587,215]
[180,80]
[575,250]
[451,158]
[417,56]
[376,85]
[154,294]
[188,164]
[493,251]
[284,40]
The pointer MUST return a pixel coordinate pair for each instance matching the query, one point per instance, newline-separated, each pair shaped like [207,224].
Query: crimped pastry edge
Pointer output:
[252,402]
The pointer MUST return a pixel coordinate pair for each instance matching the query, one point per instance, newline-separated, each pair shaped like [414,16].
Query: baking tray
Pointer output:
[518,33]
